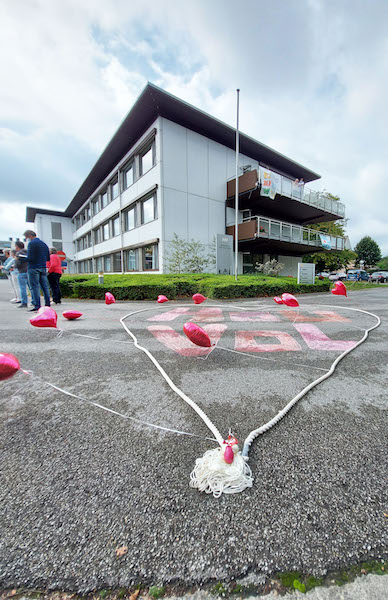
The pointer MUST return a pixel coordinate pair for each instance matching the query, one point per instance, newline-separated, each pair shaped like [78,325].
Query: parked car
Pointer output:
[357,275]
[322,275]
[380,276]
[337,276]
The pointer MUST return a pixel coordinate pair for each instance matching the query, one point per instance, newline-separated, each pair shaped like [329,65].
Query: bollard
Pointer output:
[101,277]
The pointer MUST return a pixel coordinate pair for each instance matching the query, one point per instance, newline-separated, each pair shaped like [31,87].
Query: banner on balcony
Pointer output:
[270,183]
[325,241]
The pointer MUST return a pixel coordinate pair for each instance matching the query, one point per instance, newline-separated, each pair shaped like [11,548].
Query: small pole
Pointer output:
[236,197]
[101,277]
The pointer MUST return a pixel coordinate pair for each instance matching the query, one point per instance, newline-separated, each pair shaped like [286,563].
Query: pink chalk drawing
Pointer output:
[170,315]
[181,344]
[253,316]
[317,340]
[323,316]
[208,315]
[245,342]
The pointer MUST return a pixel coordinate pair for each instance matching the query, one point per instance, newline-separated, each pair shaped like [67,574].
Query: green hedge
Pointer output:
[148,287]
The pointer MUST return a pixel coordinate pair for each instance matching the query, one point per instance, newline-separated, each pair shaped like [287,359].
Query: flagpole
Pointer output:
[236,197]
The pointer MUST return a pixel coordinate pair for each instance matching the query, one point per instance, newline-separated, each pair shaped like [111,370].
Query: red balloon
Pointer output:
[289,300]
[162,299]
[339,289]
[228,455]
[109,298]
[198,298]
[45,317]
[72,314]
[278,300]
[9,365]
[197,335]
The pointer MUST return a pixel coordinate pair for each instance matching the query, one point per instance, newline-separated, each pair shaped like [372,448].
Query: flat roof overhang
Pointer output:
[31,211]
[282,208]
[154,102]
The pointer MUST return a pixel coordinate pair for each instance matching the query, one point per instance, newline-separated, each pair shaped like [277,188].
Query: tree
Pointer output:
[186,257]
[368,250]
[383,264]
[331,261]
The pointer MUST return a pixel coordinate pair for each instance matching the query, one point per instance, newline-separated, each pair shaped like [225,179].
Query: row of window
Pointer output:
[136,259]
[137,214]
[135,168]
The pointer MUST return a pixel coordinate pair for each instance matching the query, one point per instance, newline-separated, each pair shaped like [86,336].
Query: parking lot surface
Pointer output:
[79,483]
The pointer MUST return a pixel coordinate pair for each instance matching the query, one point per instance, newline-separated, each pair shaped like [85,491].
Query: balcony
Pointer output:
[272,235]
[302,204]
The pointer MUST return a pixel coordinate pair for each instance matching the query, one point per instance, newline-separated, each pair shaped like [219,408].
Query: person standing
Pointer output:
[21,264]
[54,274]
[7,267]
[14,277]
[37,257]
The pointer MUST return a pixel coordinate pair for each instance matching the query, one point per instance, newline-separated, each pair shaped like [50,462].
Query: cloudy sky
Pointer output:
[312,73]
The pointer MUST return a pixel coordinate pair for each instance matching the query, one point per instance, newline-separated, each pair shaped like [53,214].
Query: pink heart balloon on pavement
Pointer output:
[339,289]
[278,300]
[289,300]
[109,298]
[197,335]
[9,365]
[198,298]
[72,314]
[45,317]
[162,299]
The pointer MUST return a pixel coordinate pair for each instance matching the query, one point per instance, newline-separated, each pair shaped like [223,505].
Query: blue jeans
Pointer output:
[23,282]
[37,279]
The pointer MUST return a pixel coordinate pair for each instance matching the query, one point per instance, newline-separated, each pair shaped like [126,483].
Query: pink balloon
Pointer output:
[109,298]
[72,314]
[197,335]
[339,289]
[162,299]
[228,455]
[198,298]
[278,300]
[289,300]
[9,365]
[45,317]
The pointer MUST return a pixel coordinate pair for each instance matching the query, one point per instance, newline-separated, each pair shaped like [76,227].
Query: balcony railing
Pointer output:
[295,234]
[287,187]
[272,229]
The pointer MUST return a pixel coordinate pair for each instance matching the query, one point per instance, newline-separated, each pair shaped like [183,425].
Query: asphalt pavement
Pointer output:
[78,483]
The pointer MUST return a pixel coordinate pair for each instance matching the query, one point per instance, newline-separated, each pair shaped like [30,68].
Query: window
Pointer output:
[89,239]
[97,235]
[107,263]
[130,258]
[129,219]
[105,231]
[128,175]
[87,213]
[115,225]
[147,159]
[56,231]
[117,262]
[114,190]
[150,258]
[95,207]
[148,210]
[58,245]
[104,199]
[99,264]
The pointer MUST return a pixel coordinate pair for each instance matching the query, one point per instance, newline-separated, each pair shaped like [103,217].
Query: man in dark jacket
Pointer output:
[37,256]
[21,265]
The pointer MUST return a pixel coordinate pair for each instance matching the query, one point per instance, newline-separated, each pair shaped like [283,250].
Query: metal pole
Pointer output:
[236,197]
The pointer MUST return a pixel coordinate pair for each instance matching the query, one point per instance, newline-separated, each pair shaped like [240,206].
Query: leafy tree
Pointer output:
[383,264]
[186,257]
[368,250]
[331,261]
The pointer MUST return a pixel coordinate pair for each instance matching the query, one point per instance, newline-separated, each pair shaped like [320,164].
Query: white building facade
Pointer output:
[168,170]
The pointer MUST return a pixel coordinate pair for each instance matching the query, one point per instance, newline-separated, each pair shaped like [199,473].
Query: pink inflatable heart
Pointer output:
[289,300]
[198,298]
[72,314]
[9,365]
[339,289]
[162,299]
[45,317]
[278,300]
[109,298]
[197,335]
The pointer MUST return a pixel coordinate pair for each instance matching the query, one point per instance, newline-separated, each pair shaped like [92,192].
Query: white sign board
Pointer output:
[224,254]
[306,273]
